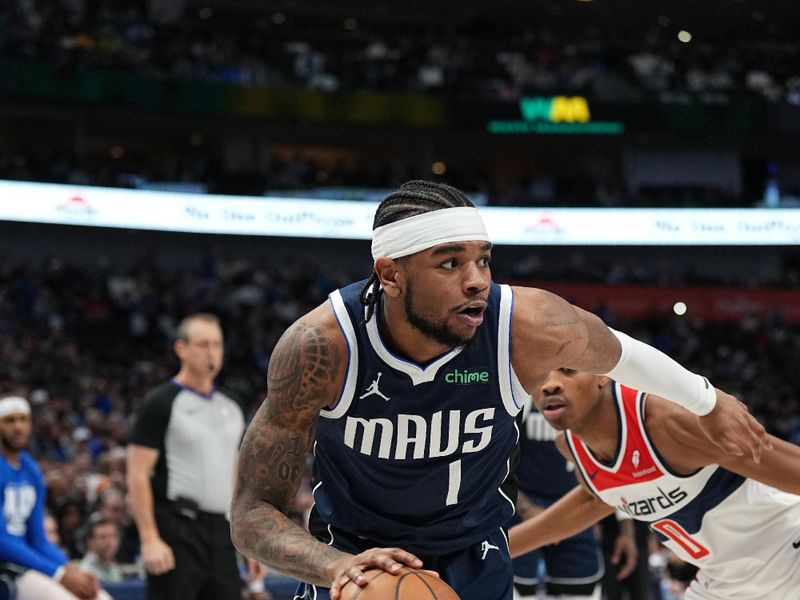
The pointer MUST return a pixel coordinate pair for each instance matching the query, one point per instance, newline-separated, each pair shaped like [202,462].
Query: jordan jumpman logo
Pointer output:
[373,389]
[485,547]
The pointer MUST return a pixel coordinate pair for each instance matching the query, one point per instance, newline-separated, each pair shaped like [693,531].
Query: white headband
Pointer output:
[420,232]
[12,405]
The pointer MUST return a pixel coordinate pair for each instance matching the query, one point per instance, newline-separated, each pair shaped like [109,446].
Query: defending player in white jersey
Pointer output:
[738,520]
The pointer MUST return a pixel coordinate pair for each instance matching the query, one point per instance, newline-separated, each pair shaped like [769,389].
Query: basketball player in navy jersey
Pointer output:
[736,519]
[407,388]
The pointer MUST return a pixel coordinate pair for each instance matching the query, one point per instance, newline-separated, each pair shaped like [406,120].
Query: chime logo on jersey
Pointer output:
[415,437]
[467,376]
[648,506]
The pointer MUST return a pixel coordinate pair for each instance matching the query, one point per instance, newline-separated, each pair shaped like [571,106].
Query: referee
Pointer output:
[181,457]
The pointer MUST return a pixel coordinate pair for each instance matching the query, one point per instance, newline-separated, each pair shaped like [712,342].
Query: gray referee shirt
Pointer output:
[197,438]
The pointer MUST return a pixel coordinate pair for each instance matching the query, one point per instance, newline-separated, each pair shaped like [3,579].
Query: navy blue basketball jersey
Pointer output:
[420,457]
[543,471]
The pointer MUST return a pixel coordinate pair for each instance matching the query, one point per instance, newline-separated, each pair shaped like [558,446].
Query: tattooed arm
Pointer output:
[305,374]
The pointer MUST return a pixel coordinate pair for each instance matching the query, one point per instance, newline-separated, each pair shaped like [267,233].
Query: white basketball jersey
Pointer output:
[743,535]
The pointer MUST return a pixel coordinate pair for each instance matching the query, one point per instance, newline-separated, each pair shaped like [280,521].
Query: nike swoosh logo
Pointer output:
[593,475]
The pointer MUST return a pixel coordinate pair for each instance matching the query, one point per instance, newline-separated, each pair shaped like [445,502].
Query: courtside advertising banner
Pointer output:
[314,218]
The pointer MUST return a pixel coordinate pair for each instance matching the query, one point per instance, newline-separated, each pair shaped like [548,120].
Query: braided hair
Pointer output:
[412,198]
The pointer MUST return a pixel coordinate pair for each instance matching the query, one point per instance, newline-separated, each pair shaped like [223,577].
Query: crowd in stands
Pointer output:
[85,343]
[461,59]
[299,175]
[200,173]
[468,60]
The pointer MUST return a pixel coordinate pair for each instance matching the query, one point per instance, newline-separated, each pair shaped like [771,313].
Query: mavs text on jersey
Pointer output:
[421,455]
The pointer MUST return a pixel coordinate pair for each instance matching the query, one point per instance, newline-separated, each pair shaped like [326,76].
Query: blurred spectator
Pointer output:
[69,513]
[51,530]
[112,508]
[102,543]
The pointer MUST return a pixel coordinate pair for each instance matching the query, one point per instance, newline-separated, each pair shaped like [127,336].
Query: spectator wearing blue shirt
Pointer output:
[45,573]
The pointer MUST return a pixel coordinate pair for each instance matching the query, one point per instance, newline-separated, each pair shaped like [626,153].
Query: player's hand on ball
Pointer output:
[351,567]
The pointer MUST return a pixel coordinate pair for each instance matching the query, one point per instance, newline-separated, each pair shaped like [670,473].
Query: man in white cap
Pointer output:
[45,573]
[407,388]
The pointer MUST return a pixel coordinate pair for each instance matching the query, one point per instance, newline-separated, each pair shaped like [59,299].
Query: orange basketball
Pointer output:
[408,584]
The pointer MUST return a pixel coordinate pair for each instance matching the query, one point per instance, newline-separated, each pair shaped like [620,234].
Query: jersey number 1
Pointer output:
[678,534]
[454,483]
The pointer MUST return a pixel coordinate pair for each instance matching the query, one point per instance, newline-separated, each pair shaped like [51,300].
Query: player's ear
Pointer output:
[602,381]
[387,271]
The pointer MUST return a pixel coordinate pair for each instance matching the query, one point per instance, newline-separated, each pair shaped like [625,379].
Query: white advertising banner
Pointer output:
[279,217]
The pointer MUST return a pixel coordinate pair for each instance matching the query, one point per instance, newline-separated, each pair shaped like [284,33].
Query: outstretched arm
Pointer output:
[778,468]
[572,514]
[724,419]
[550,333]
[685,447]
[305,375]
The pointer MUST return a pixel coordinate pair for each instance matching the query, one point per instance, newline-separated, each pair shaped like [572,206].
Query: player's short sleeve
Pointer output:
[150,423]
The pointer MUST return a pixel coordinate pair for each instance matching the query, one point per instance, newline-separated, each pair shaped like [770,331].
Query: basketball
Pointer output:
[408,584]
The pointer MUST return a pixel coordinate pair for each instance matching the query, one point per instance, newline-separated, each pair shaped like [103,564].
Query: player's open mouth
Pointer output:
[473,313]
[553,408]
